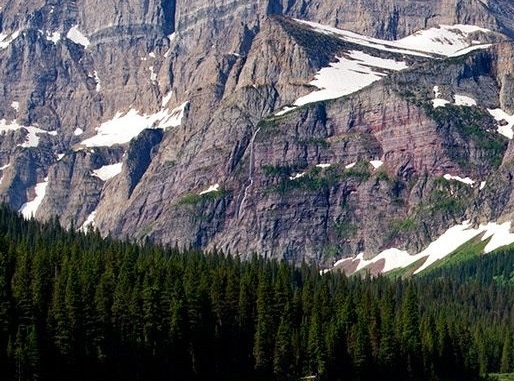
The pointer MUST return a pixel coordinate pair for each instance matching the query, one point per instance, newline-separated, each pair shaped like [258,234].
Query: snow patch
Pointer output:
[124,127]
[285,110]
[151,54]
[354,71]
[500,236]
[174,118]
[15,105]
[212,188]
[166,99]
[153,74]
[376,163]
[32,139]
[2,169]
[60,156]
[463,100]
[97,81]
[6,39]
[437,93]
[78,131]
[482,185]
[465,180]
[446,40]
[437,101]
[107,172]
[351,165]
[75,35]
[323,166]
[505,121]
[448,242]
[55,37]
[297,176]
[29,209]
[171,38]
[89,223]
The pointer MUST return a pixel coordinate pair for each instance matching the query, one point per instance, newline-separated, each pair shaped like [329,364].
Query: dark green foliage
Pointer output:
[79,307]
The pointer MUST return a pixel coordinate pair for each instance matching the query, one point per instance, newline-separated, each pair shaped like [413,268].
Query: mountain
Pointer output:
[293,129]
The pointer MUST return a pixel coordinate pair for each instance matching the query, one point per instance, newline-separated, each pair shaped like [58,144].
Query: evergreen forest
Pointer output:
[74,306]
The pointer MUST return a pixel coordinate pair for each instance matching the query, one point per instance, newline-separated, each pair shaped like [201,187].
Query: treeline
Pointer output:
[75,306]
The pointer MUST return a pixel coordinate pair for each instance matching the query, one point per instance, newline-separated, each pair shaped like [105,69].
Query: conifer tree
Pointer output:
[507,355]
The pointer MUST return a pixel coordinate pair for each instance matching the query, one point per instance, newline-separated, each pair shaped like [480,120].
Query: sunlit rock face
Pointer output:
[296,130]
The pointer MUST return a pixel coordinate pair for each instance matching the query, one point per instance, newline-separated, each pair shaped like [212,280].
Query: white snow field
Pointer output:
[351,73]
[356,70]
[448,242]
[124,127]
[447,40]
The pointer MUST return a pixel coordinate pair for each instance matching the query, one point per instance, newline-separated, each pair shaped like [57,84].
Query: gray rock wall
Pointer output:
[237,62]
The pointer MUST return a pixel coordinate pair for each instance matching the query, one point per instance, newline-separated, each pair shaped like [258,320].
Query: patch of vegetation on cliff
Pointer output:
[447,197]
[344,230]
[401,226]
[442,200]
[313,141]
[359,171]
[476,128]
[196,198]
[314,179]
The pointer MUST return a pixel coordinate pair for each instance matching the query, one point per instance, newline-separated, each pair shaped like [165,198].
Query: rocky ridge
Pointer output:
[213,76]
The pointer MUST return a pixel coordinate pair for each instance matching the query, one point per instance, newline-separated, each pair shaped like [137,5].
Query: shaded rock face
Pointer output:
[236,63]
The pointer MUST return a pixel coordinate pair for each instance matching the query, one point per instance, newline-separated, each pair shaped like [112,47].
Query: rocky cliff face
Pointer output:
[160,121]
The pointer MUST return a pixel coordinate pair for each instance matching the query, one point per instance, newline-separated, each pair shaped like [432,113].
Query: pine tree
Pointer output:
[316,350]
[283,356]
[264,331]
[6,315]
[506,363]
[409,332]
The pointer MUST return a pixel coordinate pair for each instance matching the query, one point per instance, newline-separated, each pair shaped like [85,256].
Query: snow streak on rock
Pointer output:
[29,209]
[75,35]
[124,127]
[498,234]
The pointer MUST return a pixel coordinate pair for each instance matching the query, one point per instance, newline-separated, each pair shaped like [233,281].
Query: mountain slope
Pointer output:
[223,125]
